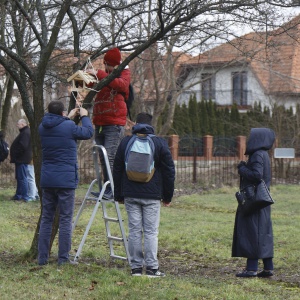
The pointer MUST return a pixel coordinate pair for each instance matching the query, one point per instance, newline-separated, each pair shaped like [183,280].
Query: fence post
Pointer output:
[241,147]
[208,147]
[173,145]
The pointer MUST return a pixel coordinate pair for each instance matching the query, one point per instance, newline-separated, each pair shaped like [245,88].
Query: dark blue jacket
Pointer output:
[161,186]
[253,234]
[59,137]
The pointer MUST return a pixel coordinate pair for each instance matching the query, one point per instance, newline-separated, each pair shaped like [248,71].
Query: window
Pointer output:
[239,88]
[208,86]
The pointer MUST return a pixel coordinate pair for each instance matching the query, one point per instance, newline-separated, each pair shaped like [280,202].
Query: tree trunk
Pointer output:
[37,160]
[7,104]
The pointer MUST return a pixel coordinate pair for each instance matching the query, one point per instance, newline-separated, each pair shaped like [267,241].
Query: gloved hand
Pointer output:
[241,164]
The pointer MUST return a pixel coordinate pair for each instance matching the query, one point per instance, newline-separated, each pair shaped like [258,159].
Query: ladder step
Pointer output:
[115,238]
[107,200]
[111,219]
[91,198]
[119,257]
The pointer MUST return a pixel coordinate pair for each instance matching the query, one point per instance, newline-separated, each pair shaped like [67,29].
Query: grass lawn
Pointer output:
[194,251]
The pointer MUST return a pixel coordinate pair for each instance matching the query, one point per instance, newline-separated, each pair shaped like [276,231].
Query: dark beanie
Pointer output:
[112,57]
[144,118]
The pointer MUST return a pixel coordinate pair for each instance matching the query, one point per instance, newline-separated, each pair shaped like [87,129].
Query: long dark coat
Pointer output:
[253,234]
[20,150]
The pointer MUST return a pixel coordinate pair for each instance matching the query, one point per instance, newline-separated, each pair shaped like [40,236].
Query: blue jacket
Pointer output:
[59,137]
[161,186]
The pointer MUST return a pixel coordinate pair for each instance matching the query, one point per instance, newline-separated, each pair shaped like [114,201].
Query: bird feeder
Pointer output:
[80,81]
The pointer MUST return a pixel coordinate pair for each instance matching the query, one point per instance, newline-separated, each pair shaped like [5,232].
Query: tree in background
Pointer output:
[219,126]
[231,123]
[235,120]
[203,117]
[193,115]
[36,36]
[182,122]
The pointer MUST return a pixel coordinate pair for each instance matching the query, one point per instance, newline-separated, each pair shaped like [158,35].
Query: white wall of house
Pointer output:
[224,86]
[190,86]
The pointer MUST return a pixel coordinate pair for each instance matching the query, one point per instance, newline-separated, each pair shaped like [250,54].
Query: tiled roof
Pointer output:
[274,57]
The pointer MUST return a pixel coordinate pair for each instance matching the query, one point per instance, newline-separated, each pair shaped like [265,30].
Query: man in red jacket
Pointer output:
[109,112]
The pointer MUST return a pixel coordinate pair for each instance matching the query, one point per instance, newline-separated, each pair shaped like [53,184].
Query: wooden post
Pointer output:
[208,146]
[241,147]
[174,145]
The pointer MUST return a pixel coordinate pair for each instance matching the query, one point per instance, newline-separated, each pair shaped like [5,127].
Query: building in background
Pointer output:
[257,67]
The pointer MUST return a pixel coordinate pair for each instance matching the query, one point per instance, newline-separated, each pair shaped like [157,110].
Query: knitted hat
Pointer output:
[112,57]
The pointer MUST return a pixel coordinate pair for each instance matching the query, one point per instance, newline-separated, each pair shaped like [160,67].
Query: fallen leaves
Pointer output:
[92,286]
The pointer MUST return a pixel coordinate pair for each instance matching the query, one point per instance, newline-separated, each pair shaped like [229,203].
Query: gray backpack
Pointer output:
[139,158]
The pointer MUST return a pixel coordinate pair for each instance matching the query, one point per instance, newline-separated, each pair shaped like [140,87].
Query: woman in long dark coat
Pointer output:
[253,235]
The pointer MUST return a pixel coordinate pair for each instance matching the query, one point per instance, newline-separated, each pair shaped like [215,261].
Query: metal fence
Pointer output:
[192,169]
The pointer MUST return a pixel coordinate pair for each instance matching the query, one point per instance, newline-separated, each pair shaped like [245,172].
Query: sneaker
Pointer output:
[265,274]
[108,194]
[137,272]
[15,198]
[151,273]
[30,200]
[247,273]
[96,194]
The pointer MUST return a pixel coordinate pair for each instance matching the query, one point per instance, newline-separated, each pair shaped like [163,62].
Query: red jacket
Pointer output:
[110,107]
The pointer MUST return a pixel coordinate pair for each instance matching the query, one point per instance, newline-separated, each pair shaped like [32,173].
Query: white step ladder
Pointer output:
[98,186]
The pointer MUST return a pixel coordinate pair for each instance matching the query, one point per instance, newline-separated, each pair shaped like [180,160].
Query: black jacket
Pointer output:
[253,234]
[161,186]
[20,150]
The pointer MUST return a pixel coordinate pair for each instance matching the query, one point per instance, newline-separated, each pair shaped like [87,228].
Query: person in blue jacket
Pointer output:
[59,178]
[253,234]
[143,199]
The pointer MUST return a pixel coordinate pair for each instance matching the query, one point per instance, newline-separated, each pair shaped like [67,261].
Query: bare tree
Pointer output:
[34,30]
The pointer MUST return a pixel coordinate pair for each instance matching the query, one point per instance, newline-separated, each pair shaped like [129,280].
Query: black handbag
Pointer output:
[254,197]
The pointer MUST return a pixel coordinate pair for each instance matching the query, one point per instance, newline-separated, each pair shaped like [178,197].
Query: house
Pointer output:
[257,67]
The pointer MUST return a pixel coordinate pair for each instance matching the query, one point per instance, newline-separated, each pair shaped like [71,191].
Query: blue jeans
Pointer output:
[143,218]
[64,199]
[32,190]
[109,137]
[22,182]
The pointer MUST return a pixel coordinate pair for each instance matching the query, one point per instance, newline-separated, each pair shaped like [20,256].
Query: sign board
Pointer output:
[284,153]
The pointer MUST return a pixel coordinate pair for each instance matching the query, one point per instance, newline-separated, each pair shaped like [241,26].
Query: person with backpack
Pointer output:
[144,175]
[110,111]
[21,156]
